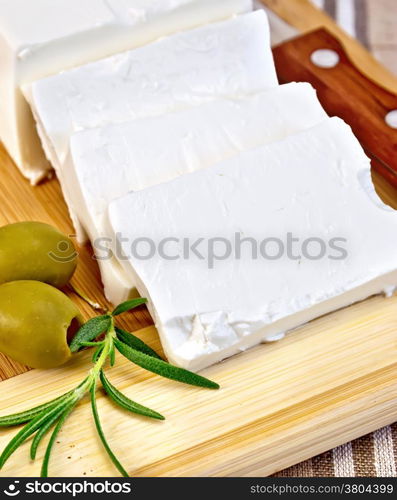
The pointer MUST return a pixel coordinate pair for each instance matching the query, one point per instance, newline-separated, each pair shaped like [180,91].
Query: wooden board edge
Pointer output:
[304,16]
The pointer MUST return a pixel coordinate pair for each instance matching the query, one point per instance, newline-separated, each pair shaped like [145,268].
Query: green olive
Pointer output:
[36,321]
[36,251]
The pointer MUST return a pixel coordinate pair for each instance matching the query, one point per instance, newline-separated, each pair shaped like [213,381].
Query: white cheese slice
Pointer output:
[311,185]
[106,163]
[42,37]
[221,59]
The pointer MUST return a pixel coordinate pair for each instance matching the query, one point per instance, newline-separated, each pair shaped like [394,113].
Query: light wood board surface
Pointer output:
[279,404]
[325,384]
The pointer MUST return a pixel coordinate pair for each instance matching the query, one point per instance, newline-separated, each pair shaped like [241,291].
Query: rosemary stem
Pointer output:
[107,347]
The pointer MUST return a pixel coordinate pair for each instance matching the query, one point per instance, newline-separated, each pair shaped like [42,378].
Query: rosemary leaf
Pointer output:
[66,412]
[101,434]
[28,430]
[90,331]
[126,403]
[91,344]
[41,433]
[28,415]
[135,342]
[162,368]
[112,355]
[97,353]
[128,305]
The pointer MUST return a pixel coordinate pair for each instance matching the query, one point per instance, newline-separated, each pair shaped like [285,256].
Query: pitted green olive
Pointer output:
[36,251]
[36,320]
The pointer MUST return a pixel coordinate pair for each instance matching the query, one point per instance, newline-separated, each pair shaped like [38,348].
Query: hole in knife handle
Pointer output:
[391,119]
[325,58]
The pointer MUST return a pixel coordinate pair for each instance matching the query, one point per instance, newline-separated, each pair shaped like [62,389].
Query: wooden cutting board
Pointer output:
[327,383]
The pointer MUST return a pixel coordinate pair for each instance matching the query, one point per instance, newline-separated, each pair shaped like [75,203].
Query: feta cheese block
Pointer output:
[222,59]
[106,163]
[323,240]
[42,37]
[228,58]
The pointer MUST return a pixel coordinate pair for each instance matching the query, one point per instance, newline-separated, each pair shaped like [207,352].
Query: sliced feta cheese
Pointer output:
[106,163]
[42,37]
[222,59]
[312,187]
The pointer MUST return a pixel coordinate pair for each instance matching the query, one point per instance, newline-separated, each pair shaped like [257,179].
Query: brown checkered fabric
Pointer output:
[374,455]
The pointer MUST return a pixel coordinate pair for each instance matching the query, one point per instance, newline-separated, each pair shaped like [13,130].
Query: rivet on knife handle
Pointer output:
[344,91]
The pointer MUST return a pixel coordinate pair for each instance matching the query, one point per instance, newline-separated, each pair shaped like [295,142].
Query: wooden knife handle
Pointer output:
[345,92]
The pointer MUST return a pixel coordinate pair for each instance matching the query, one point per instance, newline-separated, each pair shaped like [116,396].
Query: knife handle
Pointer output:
[344,91]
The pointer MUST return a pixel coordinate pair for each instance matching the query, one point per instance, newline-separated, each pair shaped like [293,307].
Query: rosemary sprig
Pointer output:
[101,434]
[43,431]
[28,415]
[41,419]
[90,331]
[128,305]
[34,425]
[44,468]
[135,342]
[126,403]
[162,368]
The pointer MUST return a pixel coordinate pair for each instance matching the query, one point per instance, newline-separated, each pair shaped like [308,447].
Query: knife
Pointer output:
[345,92]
